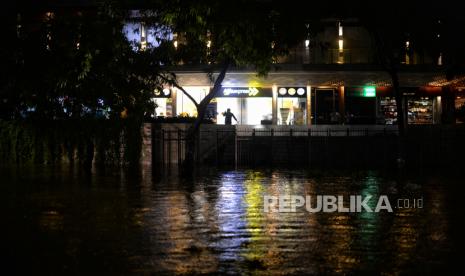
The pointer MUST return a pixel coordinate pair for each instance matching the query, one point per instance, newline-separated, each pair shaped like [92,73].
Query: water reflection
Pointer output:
[64,222]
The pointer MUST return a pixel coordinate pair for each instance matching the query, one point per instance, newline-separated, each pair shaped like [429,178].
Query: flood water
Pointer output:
[63,221]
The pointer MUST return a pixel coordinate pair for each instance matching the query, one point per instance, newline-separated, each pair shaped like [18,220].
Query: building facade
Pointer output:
[329,78]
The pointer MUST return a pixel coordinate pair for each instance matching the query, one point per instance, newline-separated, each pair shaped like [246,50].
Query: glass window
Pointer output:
[257,110]
[184,105]
[420,110]
[292,111]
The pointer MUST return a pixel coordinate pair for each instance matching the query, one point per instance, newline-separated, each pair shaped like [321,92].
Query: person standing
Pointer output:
[228,115]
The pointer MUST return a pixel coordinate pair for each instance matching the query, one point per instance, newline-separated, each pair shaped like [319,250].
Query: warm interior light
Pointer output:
[341,45]
[209,44]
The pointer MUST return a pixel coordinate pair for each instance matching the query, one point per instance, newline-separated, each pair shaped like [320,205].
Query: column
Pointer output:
[309,105]
[274,105]
[174,92]
[342,104]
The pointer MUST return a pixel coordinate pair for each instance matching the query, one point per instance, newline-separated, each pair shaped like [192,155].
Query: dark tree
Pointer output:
[238,34]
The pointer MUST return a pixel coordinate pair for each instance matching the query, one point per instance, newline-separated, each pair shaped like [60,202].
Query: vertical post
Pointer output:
[216,147]
[309,105]
[235,148]
[179,146]
[290,148]
[315,107]
[274,105]
[197,148]
[342,104]
[309,146]
[153,145]
[169,148]
[253,147]
[271,150]
[162,146]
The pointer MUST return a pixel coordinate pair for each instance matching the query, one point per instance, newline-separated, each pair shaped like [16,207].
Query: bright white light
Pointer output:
[257,109]
[307,43]
[143,31]
[282,91]
[209,44]
[175,43]
[407,44]
[341,44]
[166,91]
[340,29]
[300,91]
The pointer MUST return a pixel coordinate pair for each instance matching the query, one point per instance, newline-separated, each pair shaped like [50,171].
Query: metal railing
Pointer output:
[240,145]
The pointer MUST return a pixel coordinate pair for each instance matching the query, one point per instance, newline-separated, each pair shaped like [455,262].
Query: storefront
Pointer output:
[387,111]
[420,110]
[292,106]
[422,105]
[184,106]
[250,105]
[361,105]
[460,105]
[163,103]
[325,106]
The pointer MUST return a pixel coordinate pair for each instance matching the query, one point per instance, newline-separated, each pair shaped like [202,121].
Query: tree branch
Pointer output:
[174,83]
[216,86]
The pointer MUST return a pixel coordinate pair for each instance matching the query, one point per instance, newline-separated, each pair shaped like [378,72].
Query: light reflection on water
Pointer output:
[68,222]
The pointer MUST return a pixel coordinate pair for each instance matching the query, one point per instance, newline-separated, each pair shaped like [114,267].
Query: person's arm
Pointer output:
[234,117]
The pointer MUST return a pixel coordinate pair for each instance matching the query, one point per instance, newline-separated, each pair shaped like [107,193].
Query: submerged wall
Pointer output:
[88,142]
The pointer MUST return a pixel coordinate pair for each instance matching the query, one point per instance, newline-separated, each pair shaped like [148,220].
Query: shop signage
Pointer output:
[292,92]
[165,93]
[369,91]
[365,91]
[245,92]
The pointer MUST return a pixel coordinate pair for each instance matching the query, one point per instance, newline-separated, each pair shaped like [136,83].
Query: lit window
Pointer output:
[340,28]
[341,45]
[307,43]
[143,36]
[175,40]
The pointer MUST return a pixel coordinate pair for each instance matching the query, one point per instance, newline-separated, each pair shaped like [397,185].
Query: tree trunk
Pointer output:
[401,120]
[193,131]
[448,105]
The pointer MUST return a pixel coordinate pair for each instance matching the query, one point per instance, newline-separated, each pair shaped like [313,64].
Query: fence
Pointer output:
[273,145]
[431,146]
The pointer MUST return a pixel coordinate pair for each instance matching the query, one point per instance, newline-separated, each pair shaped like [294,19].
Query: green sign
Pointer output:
[369,91]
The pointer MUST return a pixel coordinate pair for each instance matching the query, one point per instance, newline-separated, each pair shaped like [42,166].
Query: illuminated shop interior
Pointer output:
[184,106]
